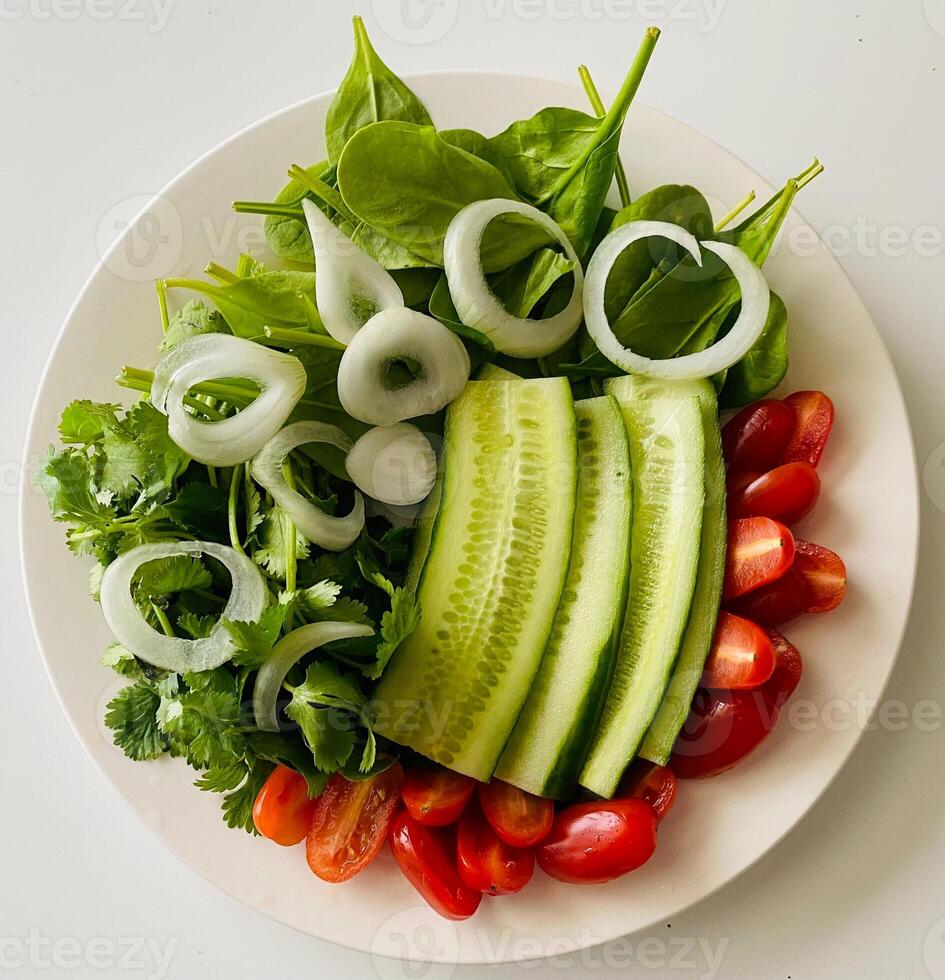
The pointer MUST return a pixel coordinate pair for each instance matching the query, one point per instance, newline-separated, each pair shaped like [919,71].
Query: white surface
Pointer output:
[869,474]
[100,111]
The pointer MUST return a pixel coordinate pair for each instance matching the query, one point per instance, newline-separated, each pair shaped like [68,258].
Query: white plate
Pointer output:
[868,514]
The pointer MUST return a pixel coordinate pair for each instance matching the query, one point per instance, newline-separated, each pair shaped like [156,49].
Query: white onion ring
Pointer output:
[479,308]
[394,464]
[394,335]
[284,656]
[281,379]
[755,301]
[343,275]
[248,598]
[331,533]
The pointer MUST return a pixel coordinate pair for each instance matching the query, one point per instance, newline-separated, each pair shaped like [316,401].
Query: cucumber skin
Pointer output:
[422,686]
[635,696]
[549,743]
[658,745]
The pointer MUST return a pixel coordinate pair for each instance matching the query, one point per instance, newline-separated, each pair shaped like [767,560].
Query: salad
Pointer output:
[425,529]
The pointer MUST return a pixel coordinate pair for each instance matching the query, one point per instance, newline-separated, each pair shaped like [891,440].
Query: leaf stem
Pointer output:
[233,502]
[324,192]
[597,104]
[162,619]
[221,274]
[161,286]
[269,207]
[735,212]
[136,380]
[283,337]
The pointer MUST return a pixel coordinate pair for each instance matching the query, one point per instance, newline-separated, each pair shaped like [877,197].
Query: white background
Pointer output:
[102,102]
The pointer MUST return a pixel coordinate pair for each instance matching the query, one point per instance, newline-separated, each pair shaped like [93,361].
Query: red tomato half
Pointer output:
[350,823]
[759,551]
[595,842]
[777,603]
[786,493]
[436,797]
[520,819]
[756,438]
[425,856]
[486,863]
[815,413]
[282,811]
[742,655]
[651,783]
[726,726]
[825,576]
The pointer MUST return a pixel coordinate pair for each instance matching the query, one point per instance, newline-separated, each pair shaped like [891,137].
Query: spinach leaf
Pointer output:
[525,284]
[288,236]
[368,93]
[763,368]
[479,146]
[422,186]
[442,309]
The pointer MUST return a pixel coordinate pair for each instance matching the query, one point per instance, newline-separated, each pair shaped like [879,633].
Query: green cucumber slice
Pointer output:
[492,372]
[667,451]
[492,581]
[423,535]
[669,720]
[547,748]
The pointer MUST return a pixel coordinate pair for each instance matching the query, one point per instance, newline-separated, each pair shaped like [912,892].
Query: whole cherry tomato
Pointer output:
[786,493]
[759,551]
[519,818]
[651,783]
[825,576]
[725,726]
[425,856]
[350,823]
[486,863]
[742,655]
[282,811]
[777,603]
[814,412]
[756,438]
[436,797]
[595,842]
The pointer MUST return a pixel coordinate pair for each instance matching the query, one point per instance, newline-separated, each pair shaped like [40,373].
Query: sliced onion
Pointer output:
[284,656]
[394,336]
[351,286]
[394,464]
[331,533]
[755,301]
[479,308]
[281,379]
[248,598]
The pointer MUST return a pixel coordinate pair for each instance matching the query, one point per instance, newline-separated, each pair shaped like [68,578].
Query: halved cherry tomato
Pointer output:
[282,811]
[486,863]
[520,819]
[825,576]
[814,412]
[350,823]
[726,726]
[735,483]
[436,797]
[760,550]
[742,655]
[756,438]
[787,493]
[425,855]
[651,783]
[595,842]
[777,603]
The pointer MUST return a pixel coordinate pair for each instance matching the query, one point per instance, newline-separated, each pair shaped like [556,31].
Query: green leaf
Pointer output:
[84,422]
[326,687]
[315,602]
[289,237]
[326,732]
[131,715]
[222,779]
[68,482]
[202,510]
[368,93]
[397,624]
[193,320]
[166,576]
[763,368]
[199,627]
[238,806]
[288,750]
[254,641]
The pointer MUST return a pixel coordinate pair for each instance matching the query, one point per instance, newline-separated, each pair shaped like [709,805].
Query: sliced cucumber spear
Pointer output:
[667,450]
[547,747]
[659,741]
[493,577]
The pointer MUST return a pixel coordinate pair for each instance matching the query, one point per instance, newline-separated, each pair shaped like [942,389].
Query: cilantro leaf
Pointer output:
[196,626]
[238,806]
[165,576]
[274,544]
[326,732]
[254,641]
[132,716]
[194,319]
[84,422]
[397,624]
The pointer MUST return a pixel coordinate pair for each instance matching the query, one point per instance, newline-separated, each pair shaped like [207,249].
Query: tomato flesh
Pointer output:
[350,823]
[518,818]
[760,551]
[486,863]
[726,726]
[651,783]
[786,493]
[282,811]
[756,438]
[425,856]
[596,842]
[436,797]
[742,655]
[814,412]
[777,603]
[824,574]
